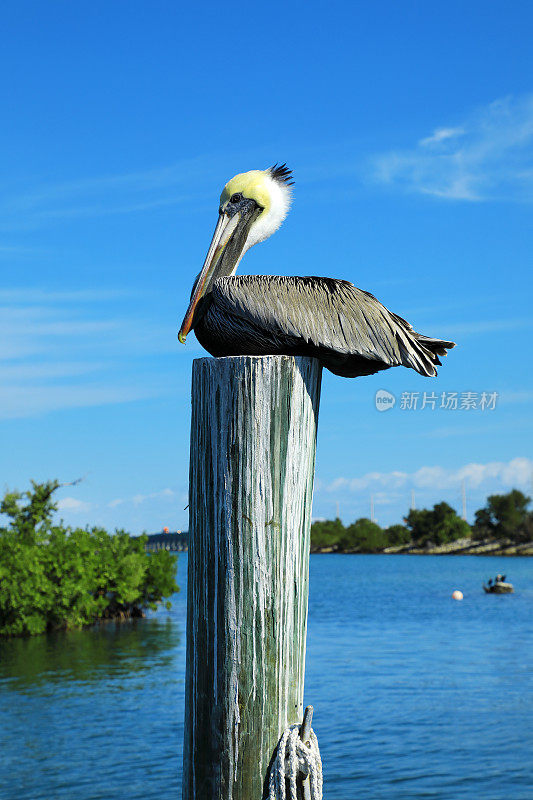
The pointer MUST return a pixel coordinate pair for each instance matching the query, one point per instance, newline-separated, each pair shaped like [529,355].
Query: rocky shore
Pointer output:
[464,547]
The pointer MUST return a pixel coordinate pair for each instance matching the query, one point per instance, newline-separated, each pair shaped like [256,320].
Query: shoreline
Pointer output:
[460,547]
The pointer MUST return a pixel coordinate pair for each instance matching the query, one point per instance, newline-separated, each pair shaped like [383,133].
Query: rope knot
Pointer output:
[296,761]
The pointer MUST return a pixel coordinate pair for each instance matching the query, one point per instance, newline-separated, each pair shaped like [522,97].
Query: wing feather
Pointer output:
[329,315]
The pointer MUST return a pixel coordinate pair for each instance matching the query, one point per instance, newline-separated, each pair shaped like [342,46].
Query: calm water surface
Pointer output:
[415,695]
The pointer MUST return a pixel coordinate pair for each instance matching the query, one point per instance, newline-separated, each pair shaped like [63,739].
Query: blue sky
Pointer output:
[409,127]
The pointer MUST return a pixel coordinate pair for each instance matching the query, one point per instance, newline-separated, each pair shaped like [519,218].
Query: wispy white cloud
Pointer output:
[489,326]
[136,180]
[440,135]
[106,209]
[462,330]
[163,494]
[13,250]
[487,156]
[522,396]
[515,473]
[73,505]
[139,499]
[30,296]
[57,350]
[126,193]
[24,401]
[486,427]
[22,372]
[116,502]
[58,329]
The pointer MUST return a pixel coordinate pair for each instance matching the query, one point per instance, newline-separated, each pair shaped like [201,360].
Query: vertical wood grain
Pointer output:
[253,435]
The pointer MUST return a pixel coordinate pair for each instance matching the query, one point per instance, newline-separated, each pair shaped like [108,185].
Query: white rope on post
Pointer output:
[297,755]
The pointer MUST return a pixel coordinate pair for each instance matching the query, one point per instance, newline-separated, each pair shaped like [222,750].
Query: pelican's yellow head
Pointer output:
[252,207]
[252,184]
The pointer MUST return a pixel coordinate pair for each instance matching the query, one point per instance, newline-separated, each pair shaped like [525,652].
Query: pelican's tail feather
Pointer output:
[422,353]
[437,346]
[418,351]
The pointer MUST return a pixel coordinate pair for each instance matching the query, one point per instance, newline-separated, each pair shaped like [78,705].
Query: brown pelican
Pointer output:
[346,328]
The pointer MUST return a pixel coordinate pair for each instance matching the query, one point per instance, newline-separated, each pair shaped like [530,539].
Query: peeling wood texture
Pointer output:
[253,436]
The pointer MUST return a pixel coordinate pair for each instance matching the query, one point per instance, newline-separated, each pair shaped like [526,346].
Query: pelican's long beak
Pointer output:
[224,253]
[224,228]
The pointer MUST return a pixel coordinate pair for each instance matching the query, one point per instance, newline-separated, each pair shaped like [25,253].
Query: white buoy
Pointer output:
[457,595]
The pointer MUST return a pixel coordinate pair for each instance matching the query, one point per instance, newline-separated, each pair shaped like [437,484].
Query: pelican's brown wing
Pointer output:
[350,331]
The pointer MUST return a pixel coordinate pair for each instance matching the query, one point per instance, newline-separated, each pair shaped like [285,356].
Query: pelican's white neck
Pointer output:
[269,221]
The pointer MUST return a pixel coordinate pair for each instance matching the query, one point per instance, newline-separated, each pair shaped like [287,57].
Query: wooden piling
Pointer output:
[253,435]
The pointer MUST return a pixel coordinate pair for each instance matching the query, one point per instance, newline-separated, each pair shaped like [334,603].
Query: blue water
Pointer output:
[415,695]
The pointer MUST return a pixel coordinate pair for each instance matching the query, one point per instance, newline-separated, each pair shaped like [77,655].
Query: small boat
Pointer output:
[499,586]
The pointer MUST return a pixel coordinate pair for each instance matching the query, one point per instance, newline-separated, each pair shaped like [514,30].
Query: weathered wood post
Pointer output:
[253,435]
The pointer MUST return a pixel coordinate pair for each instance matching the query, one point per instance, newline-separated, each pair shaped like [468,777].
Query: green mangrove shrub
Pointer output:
[52,576]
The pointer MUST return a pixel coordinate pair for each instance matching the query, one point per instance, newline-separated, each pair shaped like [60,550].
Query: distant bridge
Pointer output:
[176,542]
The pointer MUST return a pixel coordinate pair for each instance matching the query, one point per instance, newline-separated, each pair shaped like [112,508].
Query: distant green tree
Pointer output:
[326,533]
[505,516]
[397,535]
[439,525]
[364,535]
[53,576]
[30,521]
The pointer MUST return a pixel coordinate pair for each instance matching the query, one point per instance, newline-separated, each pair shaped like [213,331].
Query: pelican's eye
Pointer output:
[236,198]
